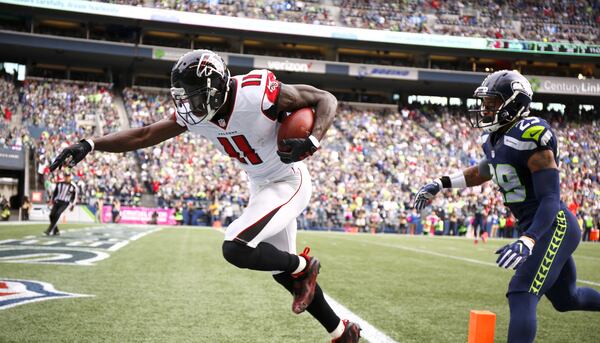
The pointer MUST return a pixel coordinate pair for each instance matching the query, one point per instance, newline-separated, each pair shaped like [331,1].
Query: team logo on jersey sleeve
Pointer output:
[19,292]
[271,92]
[270,97]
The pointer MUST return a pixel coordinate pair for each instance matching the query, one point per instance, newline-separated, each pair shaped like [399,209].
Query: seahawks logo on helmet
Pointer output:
[504,97]
[519,86]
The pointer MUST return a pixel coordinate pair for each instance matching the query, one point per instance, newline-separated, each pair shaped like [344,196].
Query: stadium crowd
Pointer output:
[9,98]
[57,113]
[185,173]
[380,158]
[383,161]
[545,21]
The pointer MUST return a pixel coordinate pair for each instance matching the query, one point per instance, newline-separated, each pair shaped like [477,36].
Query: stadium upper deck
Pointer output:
[136,45]
[567,21]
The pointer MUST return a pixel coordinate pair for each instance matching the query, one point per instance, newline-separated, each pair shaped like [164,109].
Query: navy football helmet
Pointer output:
[505,97]
[199,85]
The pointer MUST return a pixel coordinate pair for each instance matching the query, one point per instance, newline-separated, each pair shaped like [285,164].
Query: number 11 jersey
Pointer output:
[248,133]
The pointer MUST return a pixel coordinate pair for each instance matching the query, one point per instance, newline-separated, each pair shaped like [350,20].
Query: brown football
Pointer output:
[298,124]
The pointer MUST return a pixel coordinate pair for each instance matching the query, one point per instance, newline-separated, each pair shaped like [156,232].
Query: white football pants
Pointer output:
[272,210]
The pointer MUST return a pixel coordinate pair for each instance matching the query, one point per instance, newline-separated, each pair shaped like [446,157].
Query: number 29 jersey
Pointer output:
[248,134]
[507,155]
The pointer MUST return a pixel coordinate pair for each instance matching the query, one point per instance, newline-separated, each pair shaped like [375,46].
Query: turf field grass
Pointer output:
[174,286]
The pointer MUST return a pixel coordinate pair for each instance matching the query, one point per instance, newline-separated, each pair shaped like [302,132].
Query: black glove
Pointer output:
[76,152]
[298,149]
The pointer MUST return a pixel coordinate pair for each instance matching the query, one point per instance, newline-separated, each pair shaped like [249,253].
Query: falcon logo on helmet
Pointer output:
[199,85]
[504,97]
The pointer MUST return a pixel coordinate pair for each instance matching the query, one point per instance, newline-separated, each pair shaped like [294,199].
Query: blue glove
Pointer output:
[426,193]
[514,254]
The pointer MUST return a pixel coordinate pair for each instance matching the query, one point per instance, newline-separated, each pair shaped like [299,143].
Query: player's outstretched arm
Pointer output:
[138,138]
[122,141]
[470,177]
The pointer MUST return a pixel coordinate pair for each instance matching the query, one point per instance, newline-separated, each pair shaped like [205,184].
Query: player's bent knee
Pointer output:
[237,253]
[563,305]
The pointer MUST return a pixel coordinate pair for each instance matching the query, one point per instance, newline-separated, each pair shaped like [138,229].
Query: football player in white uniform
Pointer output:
[241,115]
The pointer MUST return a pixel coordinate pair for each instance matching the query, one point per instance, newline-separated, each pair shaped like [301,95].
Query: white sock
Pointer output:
[338,331]
[301,265]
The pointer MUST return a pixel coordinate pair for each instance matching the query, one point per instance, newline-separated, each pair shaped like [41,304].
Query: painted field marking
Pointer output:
[61,250]
[368,332]
[459,258]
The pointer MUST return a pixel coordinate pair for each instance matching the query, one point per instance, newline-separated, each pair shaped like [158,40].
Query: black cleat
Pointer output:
[351,333]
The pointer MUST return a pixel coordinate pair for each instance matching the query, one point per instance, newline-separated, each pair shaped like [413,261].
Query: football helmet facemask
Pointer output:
[199,85]
[504,96]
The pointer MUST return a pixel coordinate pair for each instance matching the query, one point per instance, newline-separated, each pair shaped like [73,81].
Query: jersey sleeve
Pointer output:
[529,136]
[272,88]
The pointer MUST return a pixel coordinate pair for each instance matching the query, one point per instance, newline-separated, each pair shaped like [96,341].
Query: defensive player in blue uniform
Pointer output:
[522,157]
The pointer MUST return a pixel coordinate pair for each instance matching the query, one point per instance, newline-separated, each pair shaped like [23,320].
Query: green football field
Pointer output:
[172,285]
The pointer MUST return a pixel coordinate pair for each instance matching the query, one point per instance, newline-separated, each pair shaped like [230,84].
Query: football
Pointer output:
[298,124]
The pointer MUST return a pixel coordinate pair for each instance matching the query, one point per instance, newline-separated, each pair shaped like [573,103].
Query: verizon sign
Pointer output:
[289,64]
[563,85]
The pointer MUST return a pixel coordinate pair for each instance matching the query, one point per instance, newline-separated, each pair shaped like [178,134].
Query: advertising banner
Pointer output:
[289,64]
[564,85]
[12,158]
[385,72]
[173,54]
[140,215]
[80,214]
[556,48]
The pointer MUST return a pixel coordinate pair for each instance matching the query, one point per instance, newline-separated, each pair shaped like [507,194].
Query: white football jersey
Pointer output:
[248,133]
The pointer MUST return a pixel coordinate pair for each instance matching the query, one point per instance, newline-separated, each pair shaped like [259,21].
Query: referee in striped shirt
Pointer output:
[65,194]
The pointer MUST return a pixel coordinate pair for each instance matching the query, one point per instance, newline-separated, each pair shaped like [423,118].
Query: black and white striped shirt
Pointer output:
[65,191]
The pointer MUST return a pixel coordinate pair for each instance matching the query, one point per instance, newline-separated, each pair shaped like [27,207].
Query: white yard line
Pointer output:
[134,238]
[589,282]
[16,223]
[368,332]
[144,233]
[459,258]
[584,257]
